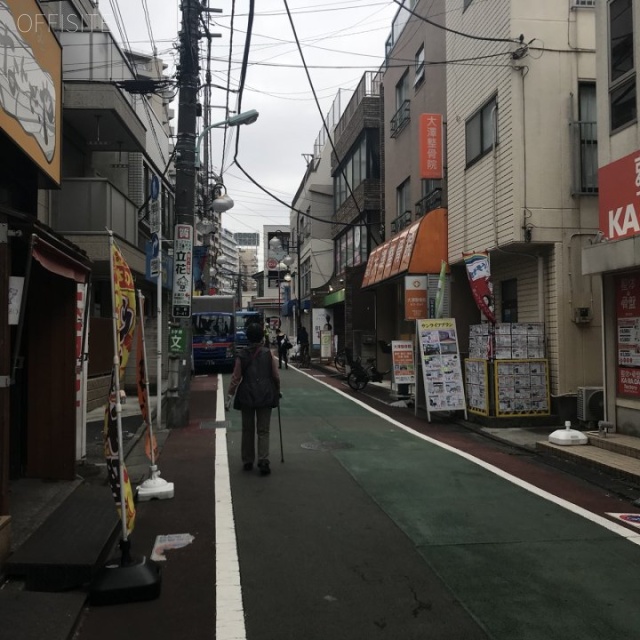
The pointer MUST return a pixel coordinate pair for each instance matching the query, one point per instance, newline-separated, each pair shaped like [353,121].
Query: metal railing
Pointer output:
[369,86]
[433,200]
[401,118]
[402,221]
[585,158]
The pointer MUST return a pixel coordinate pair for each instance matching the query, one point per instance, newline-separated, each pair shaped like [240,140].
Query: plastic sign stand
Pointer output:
[127,580]
[155,487]
[568,436]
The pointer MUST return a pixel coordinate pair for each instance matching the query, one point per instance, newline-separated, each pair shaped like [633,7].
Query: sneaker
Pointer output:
[264,467]
[247,466]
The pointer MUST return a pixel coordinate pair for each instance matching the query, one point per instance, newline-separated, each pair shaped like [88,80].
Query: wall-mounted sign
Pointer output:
[619,197]
[431,146]
[30,85]
[415,297]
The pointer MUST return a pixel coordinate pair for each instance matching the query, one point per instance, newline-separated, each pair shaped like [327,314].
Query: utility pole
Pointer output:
[180,334]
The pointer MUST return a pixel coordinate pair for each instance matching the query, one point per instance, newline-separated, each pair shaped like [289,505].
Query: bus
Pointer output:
[243,320]
[214,332]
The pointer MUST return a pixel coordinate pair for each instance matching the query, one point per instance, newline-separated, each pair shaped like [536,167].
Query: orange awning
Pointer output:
[418,249]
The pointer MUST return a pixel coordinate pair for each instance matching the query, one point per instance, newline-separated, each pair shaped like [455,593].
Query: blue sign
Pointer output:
[155,245]
[155,187]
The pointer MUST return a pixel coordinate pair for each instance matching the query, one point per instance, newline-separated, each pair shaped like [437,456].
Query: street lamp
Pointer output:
[276,244]
[246,117]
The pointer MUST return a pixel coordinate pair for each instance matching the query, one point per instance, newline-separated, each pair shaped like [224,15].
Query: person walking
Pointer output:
[303,341]
[284,345]
[255,383]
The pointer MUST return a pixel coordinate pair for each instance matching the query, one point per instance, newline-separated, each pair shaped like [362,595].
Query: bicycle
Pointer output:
[340,361]
[360,376]
[305,358]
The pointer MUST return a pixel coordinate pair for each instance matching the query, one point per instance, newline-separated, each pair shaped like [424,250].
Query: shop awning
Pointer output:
[419,249]
[59,261]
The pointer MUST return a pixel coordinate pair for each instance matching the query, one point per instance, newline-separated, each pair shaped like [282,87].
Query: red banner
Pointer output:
[479,274]
[628,338]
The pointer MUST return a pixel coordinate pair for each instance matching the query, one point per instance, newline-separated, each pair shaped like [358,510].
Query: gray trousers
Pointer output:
[255,420]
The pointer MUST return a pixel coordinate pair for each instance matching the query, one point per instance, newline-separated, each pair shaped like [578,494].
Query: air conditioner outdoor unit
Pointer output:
[590,404]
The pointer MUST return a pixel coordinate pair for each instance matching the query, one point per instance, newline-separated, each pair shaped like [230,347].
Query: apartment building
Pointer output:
[522,185]
[412,244]
[613,256]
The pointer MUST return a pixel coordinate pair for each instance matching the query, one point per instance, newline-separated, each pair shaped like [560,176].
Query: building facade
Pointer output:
[521,147]
[613,256]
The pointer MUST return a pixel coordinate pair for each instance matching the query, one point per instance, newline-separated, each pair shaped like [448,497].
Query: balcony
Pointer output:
[401,118]
[433,200]
[402,221]
[584,142]
[368,87]
[104,115]
[93,205]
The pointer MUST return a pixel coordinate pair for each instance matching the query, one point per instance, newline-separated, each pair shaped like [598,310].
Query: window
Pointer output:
[622,80]
[402,90]
[479,131]
[402,115]
[419,76]
[354,168]
[588,137]
[403,197]
[509,290]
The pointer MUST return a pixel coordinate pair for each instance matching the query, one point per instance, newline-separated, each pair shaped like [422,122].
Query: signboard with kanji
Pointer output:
[628,338]
[182,271]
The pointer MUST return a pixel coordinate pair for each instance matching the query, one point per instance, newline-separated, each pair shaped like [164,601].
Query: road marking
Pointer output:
[624,532]
[229,607]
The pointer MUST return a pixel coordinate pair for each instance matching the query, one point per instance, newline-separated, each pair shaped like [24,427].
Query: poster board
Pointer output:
[477,385]
[522,387]
[404,369]
[439,356]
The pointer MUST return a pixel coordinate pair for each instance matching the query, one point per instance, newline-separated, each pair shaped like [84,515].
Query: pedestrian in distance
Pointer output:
[284,344]
[255,391]
[303,340]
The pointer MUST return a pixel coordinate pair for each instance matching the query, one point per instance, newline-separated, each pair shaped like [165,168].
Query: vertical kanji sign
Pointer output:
[182,271]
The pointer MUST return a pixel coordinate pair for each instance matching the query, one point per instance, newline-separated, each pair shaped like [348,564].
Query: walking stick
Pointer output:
[280,427]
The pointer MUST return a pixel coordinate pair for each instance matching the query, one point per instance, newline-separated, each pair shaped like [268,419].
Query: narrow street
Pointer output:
[372,529]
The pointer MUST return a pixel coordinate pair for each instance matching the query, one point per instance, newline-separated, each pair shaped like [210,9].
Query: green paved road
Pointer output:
[522,566]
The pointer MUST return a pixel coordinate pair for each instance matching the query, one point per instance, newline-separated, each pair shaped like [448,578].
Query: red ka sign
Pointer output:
[619,197]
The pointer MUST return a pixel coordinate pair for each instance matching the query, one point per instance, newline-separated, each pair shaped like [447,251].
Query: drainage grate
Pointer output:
[326,445]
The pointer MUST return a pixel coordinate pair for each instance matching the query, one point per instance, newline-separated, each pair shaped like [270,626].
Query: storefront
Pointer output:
[615,256]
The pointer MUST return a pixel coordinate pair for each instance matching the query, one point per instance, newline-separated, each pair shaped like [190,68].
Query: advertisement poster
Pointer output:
[182,271]
[404,369]
[441,370]
[628,334]
[322,320]
[477,385]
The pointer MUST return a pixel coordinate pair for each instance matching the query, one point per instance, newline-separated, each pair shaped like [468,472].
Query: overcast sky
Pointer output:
[333,33]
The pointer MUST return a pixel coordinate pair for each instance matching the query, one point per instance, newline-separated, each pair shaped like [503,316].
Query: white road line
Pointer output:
[229,607]
[569,506]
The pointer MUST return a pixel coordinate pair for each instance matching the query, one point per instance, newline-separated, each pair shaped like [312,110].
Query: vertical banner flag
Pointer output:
[440,293]
[124,304]
[150,443]
[479,274]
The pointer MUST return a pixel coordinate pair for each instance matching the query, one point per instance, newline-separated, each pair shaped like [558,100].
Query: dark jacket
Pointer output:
[303,336]
[255,380]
